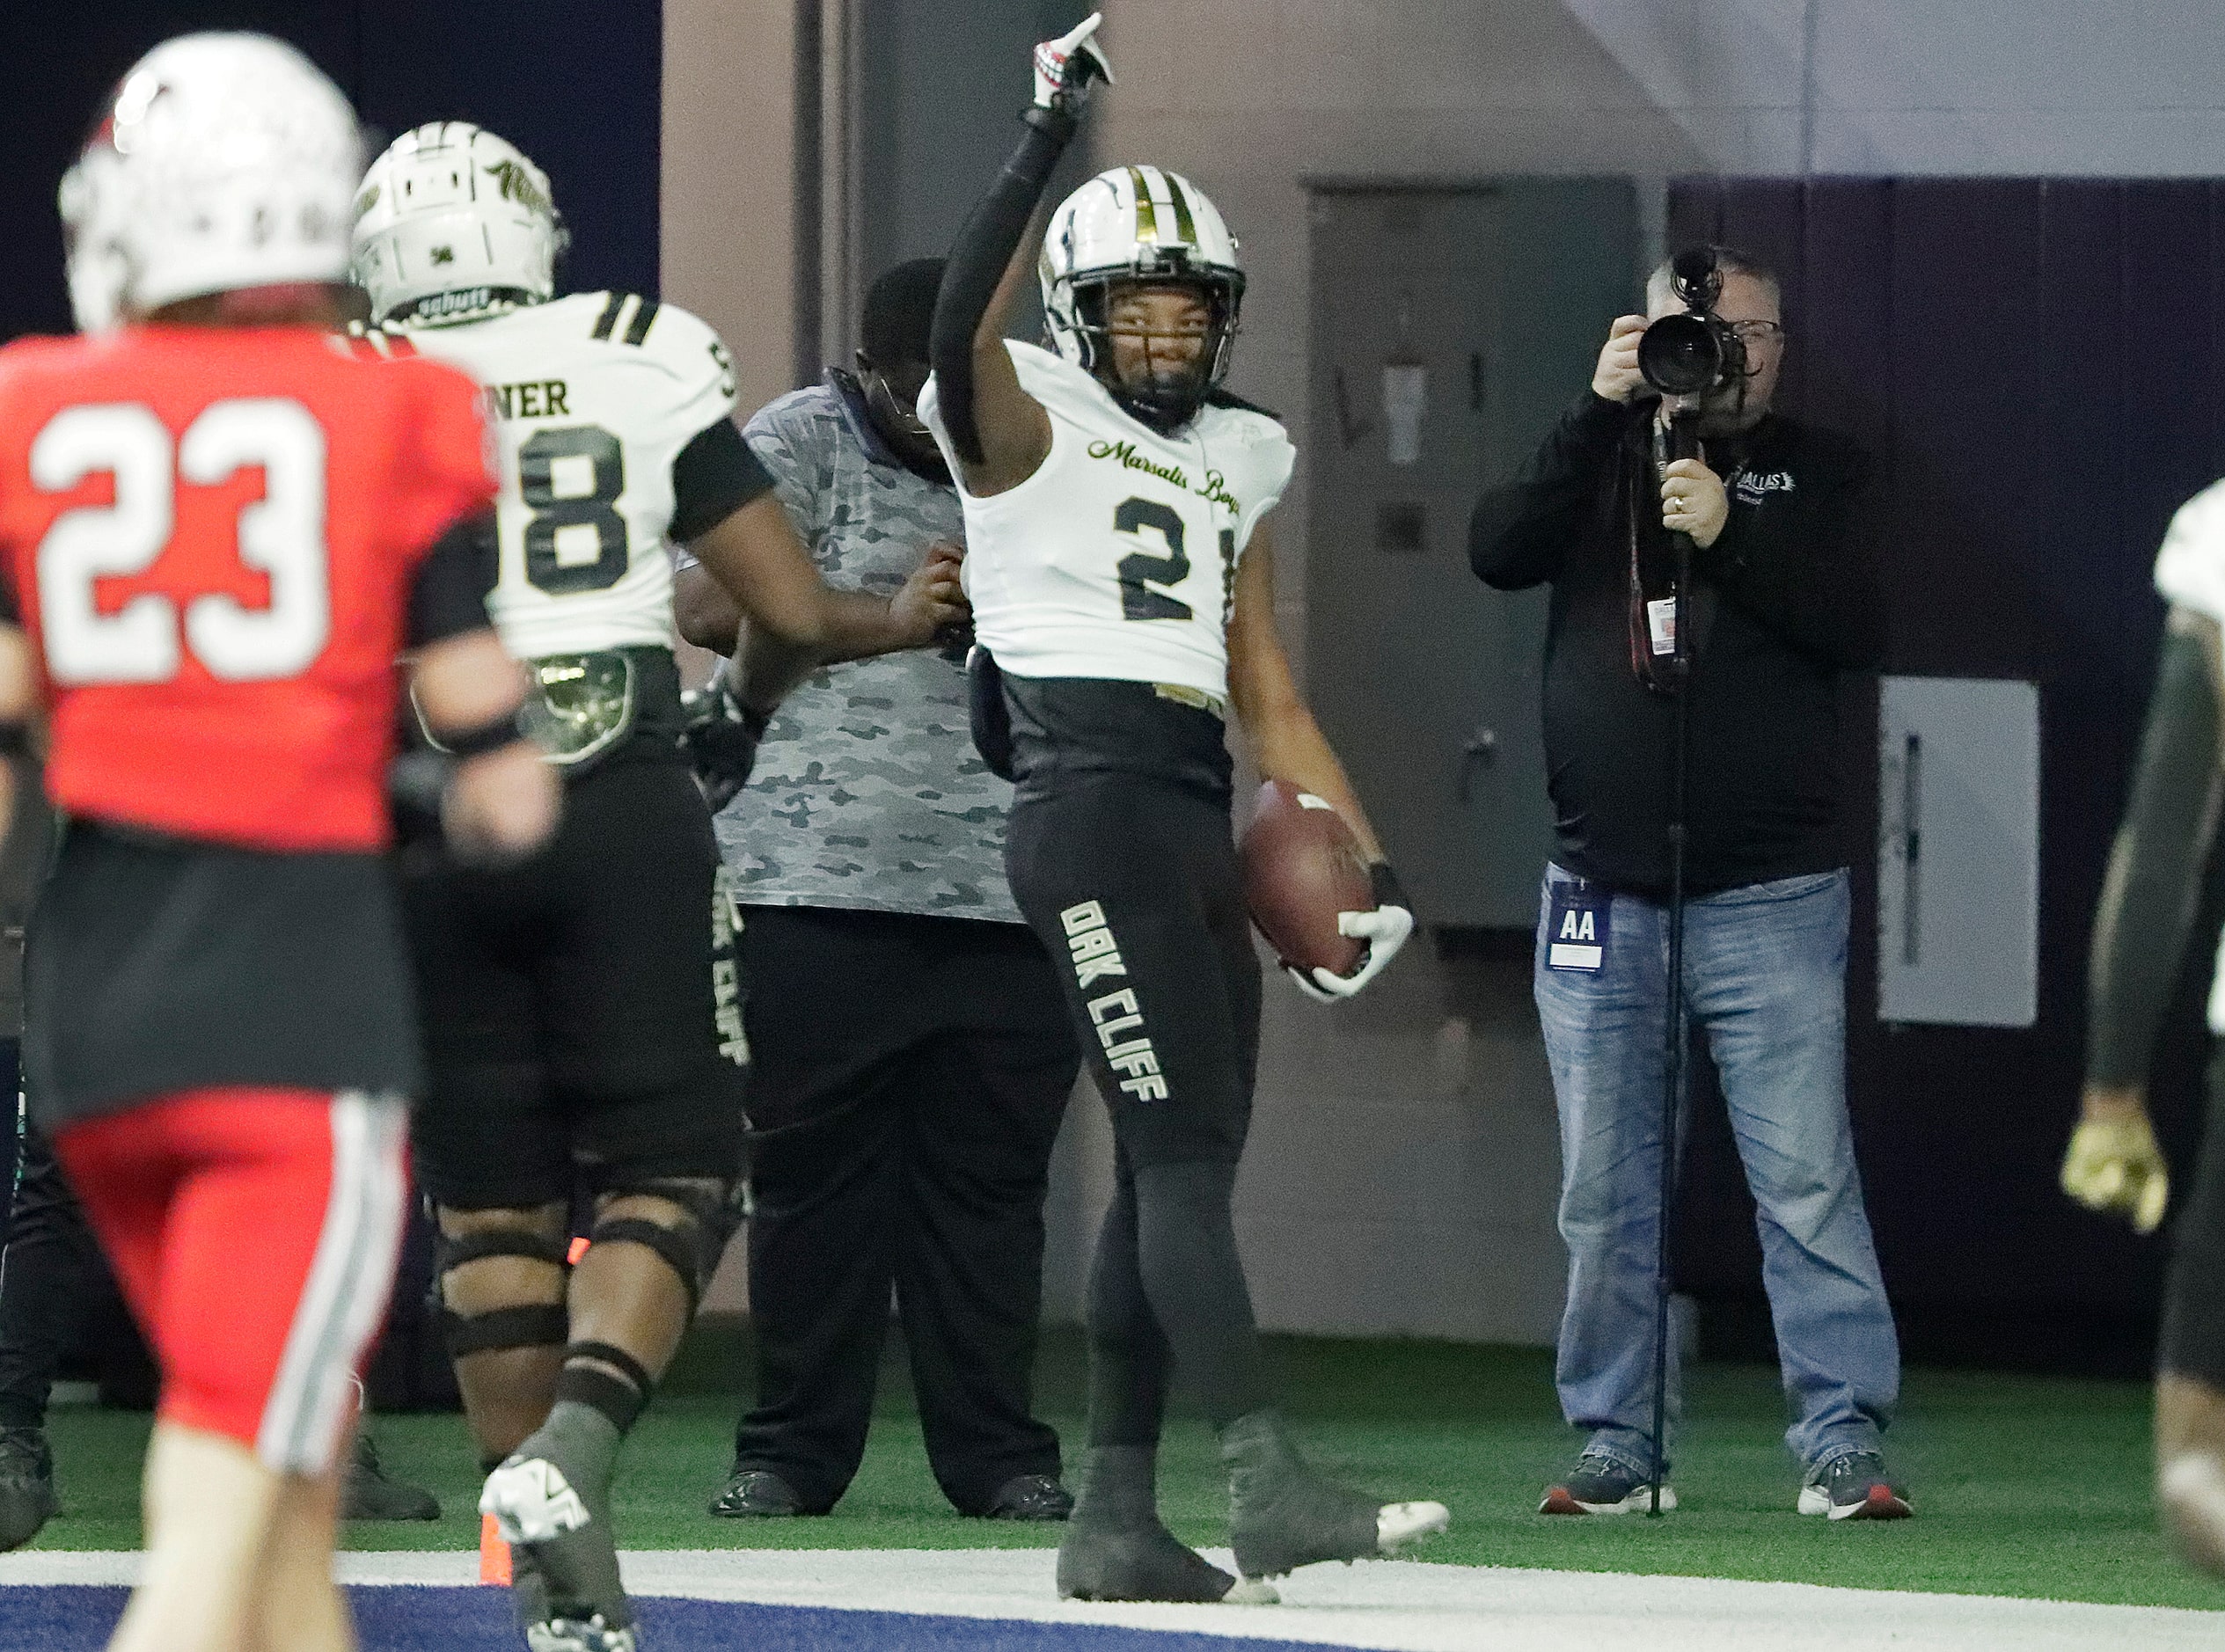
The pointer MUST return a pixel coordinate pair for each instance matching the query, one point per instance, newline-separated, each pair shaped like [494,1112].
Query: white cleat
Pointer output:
[2192,1489]
[531,1501]
[1398,1524]
[1252,1591]
[569,1634]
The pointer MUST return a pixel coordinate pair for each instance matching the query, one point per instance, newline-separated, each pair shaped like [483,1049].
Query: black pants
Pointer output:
[1133,877]
[908,1076]
[571,1001]
[51,1276]
[2193,1339]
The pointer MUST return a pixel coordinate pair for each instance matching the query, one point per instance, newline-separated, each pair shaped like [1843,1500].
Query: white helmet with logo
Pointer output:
[222,161]
[453,221]
[1140,224]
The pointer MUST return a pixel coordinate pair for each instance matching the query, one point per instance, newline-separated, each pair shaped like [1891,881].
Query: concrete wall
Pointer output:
[2040,88]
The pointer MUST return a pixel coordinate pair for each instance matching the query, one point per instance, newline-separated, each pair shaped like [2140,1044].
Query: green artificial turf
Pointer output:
[2024,1486]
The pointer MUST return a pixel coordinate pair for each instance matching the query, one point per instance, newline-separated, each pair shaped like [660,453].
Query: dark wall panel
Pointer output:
[575,82]
[2035,364]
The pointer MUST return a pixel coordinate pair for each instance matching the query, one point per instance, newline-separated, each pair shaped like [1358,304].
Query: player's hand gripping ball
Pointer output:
[1066,67]
[2114,1165]
[1333,919]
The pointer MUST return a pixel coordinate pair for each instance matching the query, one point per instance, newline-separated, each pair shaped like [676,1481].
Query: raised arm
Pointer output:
[1001,434]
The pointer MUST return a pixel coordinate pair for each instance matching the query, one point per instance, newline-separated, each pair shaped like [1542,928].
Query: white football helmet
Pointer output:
[222,161]
[1139,224]
[452,221]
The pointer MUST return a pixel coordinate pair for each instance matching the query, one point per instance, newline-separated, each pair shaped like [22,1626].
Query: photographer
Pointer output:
[1783,600]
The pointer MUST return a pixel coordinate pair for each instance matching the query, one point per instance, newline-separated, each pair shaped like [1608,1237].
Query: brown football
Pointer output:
[1302,866]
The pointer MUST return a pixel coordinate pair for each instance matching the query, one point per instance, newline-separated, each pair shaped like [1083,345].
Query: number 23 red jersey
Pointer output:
[212,536]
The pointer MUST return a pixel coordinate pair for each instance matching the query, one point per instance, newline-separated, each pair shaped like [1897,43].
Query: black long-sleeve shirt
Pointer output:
[1786,601]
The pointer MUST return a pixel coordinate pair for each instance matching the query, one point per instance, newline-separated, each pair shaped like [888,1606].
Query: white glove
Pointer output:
[2114,1167]
[1066,67]
[1385,931]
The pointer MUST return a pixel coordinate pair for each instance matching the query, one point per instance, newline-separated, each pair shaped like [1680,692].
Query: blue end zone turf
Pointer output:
[76,1617]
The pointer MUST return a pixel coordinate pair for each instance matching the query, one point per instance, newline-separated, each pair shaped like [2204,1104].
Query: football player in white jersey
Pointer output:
[582,1020]
[2148,904]
[1116,504]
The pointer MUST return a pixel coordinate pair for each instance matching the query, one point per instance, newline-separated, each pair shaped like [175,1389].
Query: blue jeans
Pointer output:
[1765,976]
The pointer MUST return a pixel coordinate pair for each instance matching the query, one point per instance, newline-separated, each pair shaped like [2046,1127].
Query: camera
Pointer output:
[1697,351]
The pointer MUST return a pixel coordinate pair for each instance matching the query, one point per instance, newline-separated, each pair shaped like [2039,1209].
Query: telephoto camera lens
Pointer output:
[1688,355]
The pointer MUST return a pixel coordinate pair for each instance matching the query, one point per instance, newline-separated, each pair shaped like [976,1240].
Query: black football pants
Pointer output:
[908,1075]
[1132,880]
[2193,1339]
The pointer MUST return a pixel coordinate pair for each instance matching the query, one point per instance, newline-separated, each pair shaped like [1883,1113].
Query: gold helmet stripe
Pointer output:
[1185,225]
[1146,212]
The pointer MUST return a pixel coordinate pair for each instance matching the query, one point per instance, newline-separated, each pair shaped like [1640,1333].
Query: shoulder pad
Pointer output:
[378,344]
[646,324]
[683,345]
[1231,400]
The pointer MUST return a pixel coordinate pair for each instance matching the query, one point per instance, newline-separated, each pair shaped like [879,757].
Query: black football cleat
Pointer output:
[1282,1516]
[27,1486]
[1116,1549]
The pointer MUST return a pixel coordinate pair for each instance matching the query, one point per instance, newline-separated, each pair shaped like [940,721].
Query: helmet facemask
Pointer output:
[1177,373]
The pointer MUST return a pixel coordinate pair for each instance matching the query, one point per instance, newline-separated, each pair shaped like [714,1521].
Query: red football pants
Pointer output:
[255,1234]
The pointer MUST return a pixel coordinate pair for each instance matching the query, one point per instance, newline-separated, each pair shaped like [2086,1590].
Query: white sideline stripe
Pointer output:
[1396,1605]
[344,1296]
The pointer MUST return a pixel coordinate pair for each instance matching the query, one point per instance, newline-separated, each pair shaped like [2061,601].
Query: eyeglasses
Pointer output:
[1758,331]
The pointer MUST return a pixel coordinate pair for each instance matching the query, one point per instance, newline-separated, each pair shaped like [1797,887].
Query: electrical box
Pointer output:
[1959,851]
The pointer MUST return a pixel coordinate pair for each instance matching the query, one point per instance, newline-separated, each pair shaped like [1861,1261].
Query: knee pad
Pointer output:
[520,1325]
[691,1248]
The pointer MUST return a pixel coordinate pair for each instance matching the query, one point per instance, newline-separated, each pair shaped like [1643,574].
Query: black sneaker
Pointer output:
[756,1494]
[1031,1497]
[27,1486]
[1854,1487]
[370,1494]
[1599,1485]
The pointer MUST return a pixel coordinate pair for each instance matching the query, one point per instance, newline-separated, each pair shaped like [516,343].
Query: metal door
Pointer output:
[1450,326]
[1959,851]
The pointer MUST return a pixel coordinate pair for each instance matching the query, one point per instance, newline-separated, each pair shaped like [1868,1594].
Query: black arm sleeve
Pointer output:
[713,477]
[1520,533]
[978,262]
[1804,565]
[2154,883]
[453,581]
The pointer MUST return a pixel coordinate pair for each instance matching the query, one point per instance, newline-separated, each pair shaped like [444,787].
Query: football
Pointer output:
[1302,866]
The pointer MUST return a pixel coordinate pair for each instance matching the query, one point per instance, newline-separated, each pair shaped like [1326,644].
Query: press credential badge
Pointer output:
[1578,939]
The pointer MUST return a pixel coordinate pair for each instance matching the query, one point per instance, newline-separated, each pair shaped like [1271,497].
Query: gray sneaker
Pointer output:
[27,1486]
[1599,1485]
[1853,1487]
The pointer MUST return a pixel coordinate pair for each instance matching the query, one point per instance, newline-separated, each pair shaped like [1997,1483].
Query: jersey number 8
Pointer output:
[552,513]
[282,535]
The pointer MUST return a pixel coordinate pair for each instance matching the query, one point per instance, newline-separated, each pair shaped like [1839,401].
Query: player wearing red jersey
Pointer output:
[220,531]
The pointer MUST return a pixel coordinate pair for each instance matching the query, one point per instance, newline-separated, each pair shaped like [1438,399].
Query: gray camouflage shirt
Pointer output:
[867,792]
